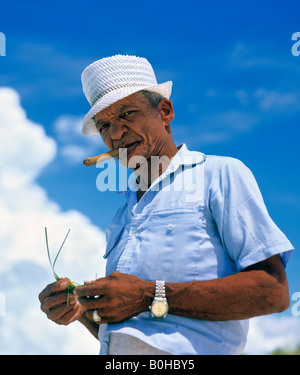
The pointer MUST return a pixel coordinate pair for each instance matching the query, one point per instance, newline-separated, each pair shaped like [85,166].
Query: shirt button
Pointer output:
[104,348]
[170,227]
[134,232]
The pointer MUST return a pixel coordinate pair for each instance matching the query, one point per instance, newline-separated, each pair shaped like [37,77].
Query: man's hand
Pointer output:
[116,297]
[60,306]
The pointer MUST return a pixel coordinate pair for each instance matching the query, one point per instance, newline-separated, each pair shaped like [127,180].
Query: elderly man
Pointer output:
[190,257]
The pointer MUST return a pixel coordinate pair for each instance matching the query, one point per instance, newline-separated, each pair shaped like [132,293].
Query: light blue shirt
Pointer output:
[202,219]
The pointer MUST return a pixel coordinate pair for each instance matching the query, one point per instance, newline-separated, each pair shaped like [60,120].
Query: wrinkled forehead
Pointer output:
[134,101]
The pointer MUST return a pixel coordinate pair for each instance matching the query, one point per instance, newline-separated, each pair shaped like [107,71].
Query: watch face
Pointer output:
[159,308]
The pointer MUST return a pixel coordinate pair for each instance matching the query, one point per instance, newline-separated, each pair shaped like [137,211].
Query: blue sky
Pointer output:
[235,91]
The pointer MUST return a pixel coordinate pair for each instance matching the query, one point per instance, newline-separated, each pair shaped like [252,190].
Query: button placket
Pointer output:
[104,348]
[125,260]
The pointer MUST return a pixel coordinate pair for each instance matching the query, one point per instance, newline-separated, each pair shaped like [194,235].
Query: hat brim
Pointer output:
[89,127]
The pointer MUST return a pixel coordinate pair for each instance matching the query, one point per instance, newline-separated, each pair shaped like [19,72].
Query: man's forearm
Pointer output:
[258,290]
[90,325]
[236,297]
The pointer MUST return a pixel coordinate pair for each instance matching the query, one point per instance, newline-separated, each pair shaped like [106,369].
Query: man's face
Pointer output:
[134,124]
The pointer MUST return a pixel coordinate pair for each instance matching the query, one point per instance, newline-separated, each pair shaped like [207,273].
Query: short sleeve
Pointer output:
[247,232]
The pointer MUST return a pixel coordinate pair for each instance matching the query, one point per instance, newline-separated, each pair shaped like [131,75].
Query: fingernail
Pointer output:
[63,285]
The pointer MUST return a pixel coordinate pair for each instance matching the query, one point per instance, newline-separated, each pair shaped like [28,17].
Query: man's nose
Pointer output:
[117,131]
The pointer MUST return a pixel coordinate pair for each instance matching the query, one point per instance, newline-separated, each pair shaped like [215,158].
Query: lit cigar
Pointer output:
[100,158]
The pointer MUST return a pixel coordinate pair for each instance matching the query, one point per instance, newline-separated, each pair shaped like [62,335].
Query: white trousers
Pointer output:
[123,344]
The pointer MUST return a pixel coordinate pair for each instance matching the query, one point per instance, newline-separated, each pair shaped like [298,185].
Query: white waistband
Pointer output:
[123,344]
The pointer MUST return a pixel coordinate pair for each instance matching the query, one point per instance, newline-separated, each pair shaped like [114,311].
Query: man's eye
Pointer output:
[103,127]
[125,114]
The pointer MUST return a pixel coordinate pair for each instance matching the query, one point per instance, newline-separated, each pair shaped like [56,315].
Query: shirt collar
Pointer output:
[183,157]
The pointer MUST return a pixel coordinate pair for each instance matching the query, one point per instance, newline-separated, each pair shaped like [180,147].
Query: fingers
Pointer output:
[57,300]
[58,304]
[62,308]
[57,286]
[94,288]
[97,287]
[90,315]
[90,303]
[88,290]
[64,315]
[58,312]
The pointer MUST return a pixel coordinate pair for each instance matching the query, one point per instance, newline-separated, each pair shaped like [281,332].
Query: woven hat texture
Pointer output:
[110,79]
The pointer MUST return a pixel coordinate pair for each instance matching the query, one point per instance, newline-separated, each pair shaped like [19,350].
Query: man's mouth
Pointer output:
[131,144]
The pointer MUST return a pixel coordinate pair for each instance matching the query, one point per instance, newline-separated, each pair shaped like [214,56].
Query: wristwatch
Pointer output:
[159,307]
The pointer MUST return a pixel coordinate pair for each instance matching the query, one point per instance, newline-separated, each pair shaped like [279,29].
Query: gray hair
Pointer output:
[153,98]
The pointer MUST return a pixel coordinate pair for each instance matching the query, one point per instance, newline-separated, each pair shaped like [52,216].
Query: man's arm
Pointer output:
[258,290]
[91,326]
[63,308]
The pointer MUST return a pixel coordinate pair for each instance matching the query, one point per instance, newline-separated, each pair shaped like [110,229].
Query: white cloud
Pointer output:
[273,100]
[250,109]
[263,53]
[218,127]
[25,211]
[74,147]
[69,127]
[271,332]
[74,154]
[16,160]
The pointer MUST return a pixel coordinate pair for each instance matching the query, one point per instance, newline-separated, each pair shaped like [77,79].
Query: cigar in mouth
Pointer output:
[100,158]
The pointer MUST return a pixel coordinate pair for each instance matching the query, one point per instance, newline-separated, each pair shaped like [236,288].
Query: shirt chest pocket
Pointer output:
[168,245]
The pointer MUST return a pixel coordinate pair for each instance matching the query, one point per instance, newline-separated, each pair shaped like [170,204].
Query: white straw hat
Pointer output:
[108,80]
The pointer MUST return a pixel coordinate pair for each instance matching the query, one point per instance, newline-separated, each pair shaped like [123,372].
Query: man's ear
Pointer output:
[166,110]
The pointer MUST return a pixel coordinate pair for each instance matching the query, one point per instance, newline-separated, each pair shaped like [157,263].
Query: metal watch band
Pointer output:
[160,289]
